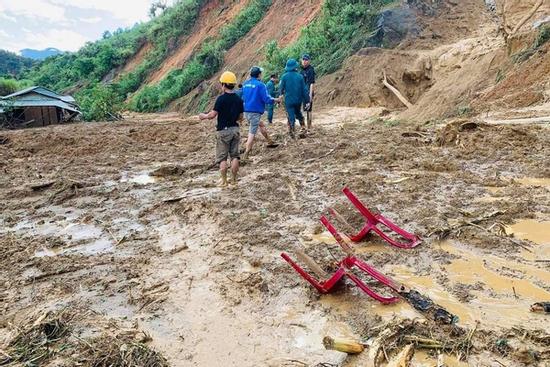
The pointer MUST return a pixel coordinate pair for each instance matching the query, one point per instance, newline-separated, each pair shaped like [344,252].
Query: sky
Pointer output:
[64,24]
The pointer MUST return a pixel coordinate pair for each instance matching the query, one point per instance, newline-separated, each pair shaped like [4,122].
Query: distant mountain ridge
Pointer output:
[40,54]
[12,64]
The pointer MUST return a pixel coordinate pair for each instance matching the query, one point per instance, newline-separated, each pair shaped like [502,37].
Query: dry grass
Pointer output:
[50,337]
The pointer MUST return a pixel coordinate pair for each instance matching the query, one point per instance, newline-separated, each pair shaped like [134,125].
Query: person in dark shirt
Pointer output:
[308,72]
[273,90]
[229,109]
[293,88]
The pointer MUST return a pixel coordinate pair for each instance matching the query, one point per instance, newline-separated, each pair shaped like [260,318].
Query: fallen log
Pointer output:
[395,91]
[526,17]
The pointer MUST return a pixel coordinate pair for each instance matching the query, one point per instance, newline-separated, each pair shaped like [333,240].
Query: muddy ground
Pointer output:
[124,222]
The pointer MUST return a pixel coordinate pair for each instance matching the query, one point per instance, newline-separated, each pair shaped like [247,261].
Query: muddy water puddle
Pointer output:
[497,299]
[98,247]
[533,181]
[532,230]
[142,178]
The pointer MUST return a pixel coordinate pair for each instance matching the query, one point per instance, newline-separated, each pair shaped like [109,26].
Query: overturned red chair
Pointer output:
[327,282]
[372,222]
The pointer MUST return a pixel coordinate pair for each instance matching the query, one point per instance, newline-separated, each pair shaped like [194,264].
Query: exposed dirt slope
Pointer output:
[282,23]
[213,16]
[451,68]
[136,59]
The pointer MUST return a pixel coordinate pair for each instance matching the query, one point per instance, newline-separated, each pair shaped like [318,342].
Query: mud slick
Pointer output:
[118,246]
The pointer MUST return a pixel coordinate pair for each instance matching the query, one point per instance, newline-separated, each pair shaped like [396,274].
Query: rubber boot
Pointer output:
[303,131]
[291,132]
[245,156]
[234,177]
[223,182]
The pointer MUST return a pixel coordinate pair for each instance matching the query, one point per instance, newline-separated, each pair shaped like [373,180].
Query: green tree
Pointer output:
[99,103]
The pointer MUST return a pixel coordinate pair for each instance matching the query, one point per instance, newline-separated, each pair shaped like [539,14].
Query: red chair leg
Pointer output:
[370,292]
[304,274]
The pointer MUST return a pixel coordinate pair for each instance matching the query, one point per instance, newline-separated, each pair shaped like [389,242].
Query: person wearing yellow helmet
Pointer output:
[229,110]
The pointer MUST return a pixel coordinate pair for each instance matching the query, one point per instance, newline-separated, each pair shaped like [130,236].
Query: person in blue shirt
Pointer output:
[273,90]
[255,98]
[293,87]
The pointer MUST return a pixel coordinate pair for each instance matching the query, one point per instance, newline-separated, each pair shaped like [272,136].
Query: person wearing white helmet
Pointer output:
[229,110]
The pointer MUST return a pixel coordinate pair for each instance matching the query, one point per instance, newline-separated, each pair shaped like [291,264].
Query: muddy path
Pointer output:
[127,220]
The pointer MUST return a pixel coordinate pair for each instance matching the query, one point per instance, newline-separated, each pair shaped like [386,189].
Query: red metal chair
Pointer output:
[373,220]
[345,266]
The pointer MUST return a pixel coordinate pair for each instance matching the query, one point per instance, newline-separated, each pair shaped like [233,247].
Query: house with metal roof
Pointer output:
[37,106]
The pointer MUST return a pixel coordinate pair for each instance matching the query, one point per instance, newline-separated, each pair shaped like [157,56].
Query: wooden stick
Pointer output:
[311,264]
[342,220]
[395,91]
[403,359]
[527,17]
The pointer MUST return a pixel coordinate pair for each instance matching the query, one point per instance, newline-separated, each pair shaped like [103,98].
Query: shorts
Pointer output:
[227,144]
[253,119]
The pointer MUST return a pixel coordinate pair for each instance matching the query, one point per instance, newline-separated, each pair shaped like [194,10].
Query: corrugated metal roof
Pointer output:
[38,103]
[43,91]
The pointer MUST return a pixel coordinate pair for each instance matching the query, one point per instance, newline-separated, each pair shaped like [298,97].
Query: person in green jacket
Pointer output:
[293,88]
[273,90]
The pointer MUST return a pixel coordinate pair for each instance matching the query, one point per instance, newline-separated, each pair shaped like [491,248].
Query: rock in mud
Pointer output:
[393,26]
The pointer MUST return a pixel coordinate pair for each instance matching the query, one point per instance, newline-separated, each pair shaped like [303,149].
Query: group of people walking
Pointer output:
[250,101]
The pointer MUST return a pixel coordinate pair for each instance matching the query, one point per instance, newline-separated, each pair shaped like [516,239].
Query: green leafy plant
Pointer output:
[542,37]
[342,28]
[99,102]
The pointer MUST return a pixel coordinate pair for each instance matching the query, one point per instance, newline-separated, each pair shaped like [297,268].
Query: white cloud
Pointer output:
[65,40]
[90,20]
[7,17]
[38,9]
[127,11]
[64,24]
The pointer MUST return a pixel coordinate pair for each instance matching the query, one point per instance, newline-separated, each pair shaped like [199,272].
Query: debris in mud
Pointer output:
[65,190]
[4,140]
[427,307]
[343,345]
[391,338]
[170,170]
[55,336]
[543,307]
[34,343]
[41,185]
[496,230]
[105,351]
[450,133]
